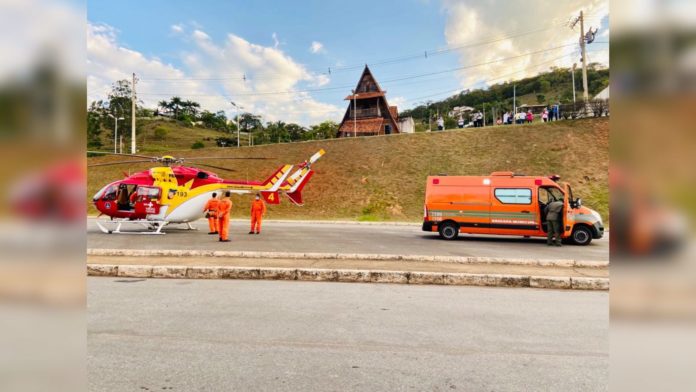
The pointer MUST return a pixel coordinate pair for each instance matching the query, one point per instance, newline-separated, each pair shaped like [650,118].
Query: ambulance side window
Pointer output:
[546,194]
[513,195]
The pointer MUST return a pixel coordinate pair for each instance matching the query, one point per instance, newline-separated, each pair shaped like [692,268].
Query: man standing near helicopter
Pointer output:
[210,210]
[258,209]
[224,208]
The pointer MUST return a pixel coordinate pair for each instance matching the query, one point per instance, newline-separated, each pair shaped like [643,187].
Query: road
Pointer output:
[193,335]
[347,238]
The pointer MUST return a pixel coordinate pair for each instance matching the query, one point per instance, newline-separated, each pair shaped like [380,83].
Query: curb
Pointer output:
[357,276]
[313,222]
[347,256]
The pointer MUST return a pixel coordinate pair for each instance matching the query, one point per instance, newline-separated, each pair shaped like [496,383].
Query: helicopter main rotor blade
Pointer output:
[215,167]
[214,158]
[119,163]
[121,154]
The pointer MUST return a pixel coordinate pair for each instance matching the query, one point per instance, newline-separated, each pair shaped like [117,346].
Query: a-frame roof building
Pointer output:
[368,112]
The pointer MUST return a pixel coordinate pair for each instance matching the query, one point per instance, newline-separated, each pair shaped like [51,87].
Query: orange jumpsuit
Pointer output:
[258,209]
[211,207]
[224,209]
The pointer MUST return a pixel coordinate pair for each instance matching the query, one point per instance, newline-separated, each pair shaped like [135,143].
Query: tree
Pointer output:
[94,124]
[325,130]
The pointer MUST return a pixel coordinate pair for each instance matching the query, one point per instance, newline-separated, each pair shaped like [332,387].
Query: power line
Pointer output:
[260,93]
[419,55]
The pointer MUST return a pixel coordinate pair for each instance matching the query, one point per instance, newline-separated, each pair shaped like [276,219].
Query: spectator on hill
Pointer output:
[545,115]
[460,122]
[530,116]
[479,119]
[499,121]
[440,123]
[506,117]
[520,118]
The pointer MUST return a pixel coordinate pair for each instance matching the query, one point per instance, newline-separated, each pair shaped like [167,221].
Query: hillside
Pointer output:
[177,136]
[550,87]
[383,177]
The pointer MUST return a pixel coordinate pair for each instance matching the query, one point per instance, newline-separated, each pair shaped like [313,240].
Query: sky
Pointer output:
[297,61]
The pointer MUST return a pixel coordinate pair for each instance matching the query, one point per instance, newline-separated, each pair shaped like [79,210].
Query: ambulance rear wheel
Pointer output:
[581,235]
[449,231]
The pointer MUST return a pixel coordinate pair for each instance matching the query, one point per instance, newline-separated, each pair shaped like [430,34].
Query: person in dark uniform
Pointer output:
[554,222]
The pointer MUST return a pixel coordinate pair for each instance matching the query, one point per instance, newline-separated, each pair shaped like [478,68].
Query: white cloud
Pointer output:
[316,47]
[266,69]
[177,28]
[397,101]
[468,23]
[275,40]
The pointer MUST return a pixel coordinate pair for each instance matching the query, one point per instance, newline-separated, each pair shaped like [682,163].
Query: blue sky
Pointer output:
[258,52]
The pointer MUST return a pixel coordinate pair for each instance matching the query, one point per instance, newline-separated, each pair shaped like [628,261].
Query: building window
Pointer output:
[514,195]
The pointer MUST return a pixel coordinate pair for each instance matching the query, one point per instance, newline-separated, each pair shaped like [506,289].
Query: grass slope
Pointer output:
[178,137]
[383,177]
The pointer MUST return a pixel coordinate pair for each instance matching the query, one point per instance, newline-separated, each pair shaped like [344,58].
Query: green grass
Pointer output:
[383,177]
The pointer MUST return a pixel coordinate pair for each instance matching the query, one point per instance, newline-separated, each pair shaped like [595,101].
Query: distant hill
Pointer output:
[161,135]
[554,86]
[383,177]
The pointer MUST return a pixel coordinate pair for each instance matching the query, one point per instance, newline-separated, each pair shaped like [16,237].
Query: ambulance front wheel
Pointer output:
[449,231]
[581,235]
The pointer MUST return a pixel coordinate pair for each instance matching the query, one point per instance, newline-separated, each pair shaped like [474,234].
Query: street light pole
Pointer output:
[115,130]
[573,77]
[355,114]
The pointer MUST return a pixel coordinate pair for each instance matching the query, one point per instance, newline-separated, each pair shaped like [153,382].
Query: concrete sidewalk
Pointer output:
[351,270]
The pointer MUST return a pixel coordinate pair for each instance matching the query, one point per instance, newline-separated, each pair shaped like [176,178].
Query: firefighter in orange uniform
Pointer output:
[258,209]
[224,209]
[210,209]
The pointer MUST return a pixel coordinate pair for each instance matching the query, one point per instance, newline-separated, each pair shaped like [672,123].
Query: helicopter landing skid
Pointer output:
[153,227]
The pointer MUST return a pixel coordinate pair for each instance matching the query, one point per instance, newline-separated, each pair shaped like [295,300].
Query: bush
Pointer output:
[197,145]
[161,133]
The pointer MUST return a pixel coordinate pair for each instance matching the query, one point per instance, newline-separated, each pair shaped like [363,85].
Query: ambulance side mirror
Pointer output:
[577,203]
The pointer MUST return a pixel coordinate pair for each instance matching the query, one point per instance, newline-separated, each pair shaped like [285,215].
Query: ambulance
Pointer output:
[507,204]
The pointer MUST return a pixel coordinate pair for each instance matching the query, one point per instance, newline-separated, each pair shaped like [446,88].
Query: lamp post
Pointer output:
[115,130]
[573,78]
[355,113]
[237,107]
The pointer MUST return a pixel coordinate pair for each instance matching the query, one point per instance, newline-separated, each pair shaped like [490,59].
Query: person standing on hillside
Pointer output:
[530,116]
[506,116]
[554,222]
[460,122]
[224,209]
[545,115]
[210,209]
[440,123]
[258,210]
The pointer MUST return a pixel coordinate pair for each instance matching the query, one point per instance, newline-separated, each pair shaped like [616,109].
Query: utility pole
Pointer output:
[237,107]
[514,99]
[583,44]
[133,116]
[484,114]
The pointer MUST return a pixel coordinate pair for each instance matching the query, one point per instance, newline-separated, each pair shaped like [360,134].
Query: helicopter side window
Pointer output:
[148,193]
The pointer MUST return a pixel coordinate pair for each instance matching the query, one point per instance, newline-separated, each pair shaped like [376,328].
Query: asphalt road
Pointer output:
[347,238]
[214,335]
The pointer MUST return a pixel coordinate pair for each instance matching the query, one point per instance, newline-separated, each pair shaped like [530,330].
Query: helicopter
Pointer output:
[172,193]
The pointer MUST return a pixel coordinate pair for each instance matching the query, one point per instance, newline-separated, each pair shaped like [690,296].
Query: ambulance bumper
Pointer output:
[428,226]
[597,230]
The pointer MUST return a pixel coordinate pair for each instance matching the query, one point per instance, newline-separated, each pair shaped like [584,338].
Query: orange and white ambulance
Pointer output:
[507,204]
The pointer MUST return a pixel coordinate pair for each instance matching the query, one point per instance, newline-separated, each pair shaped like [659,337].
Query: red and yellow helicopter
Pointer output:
[172,193]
